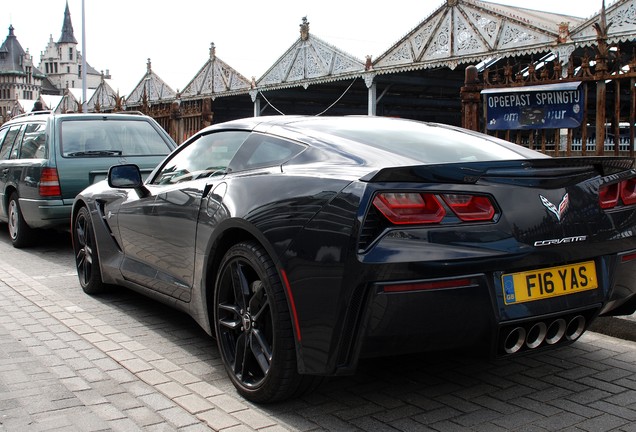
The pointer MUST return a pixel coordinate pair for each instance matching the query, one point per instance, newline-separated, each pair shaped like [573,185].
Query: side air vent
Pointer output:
[372,227]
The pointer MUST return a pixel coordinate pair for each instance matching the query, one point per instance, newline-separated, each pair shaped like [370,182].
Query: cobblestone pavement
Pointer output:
[120,362]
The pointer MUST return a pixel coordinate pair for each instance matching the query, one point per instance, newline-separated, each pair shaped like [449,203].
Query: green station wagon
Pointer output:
[46,159]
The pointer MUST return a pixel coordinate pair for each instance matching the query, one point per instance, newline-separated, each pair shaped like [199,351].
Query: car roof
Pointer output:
[42,115]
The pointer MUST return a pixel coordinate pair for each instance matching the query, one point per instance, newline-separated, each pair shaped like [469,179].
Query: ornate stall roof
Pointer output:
[470,30]
[621,20]
[216,78]
[151,88]
[72,100]
[104,98]
[310,60]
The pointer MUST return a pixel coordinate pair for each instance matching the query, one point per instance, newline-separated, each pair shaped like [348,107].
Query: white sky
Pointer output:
[249,35]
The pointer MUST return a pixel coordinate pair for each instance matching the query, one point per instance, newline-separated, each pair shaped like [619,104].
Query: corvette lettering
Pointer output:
[560,241]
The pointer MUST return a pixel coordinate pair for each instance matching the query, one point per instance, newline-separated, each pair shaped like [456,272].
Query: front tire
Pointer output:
[253,326]
[22,235]
[86,257]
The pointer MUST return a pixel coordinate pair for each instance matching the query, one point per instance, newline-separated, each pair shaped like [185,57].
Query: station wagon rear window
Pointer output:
[108,137]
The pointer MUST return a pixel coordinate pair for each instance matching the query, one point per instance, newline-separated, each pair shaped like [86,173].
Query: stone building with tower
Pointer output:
[22,84]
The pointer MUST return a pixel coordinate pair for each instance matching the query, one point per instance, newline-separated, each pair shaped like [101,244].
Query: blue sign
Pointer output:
[550,106]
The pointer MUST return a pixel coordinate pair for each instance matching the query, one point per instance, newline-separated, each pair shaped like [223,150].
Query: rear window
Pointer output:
[111,137]
[423,142]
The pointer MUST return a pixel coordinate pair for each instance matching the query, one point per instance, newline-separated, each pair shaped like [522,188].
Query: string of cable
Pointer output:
[320,113]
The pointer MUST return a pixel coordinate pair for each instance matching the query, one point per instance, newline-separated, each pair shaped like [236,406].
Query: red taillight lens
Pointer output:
[49,183]
[470,208]
[608,196]
[409,208]
[628,192]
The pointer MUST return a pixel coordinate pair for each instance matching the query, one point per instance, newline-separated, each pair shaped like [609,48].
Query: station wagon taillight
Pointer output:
[609,196]
[425,208]
[50,183]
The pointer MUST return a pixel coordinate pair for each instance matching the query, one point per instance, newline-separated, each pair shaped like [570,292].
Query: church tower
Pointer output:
[62,62]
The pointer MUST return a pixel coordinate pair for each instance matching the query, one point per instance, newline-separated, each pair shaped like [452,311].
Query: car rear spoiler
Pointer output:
[543,171]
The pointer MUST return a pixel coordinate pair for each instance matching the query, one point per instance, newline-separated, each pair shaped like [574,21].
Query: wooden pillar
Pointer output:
[632,115]
[617,116]
[584,125]
[601,117]
[471,97]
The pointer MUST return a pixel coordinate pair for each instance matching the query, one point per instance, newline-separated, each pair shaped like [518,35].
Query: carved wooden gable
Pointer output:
[103,98]
[466,30]
[310,58]
[214,78]
[621,20]
[151,88]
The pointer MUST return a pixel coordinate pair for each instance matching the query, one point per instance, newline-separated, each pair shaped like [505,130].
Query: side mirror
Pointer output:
[127,177]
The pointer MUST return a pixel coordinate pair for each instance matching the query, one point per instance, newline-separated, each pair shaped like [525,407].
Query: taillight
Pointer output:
[426,208]
[470,208]
[609,196]
[409,208]
[49,183]
[628,191]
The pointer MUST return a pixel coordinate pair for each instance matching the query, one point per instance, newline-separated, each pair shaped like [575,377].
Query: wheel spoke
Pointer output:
[240,284]
[239,356]
[81,231]
[261,350]
[259,303]
[231,322]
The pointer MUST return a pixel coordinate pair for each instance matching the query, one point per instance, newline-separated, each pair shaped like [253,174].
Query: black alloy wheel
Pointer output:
[86,259]
[253,326]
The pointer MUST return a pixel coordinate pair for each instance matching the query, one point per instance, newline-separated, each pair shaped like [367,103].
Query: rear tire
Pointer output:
[86,257]
[253,327]
[22,235]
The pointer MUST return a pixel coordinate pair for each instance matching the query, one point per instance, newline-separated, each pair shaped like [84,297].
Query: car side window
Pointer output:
[264,151]
[3,134]
[6,151]
[33,144]
[208,155]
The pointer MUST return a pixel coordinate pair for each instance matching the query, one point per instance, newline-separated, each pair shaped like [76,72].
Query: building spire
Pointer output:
[67,29]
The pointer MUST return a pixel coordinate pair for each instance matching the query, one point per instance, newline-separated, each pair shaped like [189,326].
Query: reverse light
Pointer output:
[470,208]
[49,183]
[409,208]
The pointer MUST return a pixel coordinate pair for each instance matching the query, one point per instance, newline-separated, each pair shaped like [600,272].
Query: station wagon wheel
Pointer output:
[253,325]
[86,258]
[22,235]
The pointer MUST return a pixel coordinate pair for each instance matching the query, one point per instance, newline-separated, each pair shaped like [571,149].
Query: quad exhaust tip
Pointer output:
[540,333]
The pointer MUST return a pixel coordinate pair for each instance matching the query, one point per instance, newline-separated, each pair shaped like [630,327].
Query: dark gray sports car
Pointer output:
[304,244]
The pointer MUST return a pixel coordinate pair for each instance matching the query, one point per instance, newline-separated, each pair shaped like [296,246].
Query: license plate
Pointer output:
[551,282]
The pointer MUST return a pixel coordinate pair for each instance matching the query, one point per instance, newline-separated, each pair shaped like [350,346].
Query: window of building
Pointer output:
[70,53]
